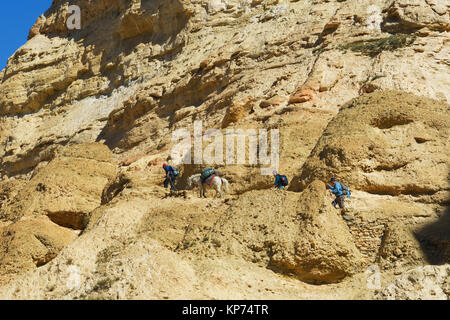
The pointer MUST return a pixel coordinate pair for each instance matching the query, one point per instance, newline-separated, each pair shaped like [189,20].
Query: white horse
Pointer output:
[216,183]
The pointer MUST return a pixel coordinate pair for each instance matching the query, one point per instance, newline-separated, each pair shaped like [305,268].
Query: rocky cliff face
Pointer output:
[357,89]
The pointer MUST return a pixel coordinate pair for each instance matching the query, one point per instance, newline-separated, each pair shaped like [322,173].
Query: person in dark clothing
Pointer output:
[171,174]
[280,181]
[337,189]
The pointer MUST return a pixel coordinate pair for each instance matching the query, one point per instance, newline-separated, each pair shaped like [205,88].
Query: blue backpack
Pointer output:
[284,180]
[207,173]
[346,190]
[174,171]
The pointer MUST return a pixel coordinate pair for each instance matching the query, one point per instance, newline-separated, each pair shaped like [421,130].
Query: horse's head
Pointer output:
[193,179]
[190,181]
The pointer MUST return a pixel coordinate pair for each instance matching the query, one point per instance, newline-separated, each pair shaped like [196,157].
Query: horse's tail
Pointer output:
[226,184]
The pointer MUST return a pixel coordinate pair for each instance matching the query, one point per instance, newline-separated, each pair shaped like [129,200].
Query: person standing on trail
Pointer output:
[340,191]
[171,174]
[281,181]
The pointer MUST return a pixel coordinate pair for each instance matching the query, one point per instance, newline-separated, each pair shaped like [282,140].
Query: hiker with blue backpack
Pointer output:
[340,191]
[171,174]
[281,181]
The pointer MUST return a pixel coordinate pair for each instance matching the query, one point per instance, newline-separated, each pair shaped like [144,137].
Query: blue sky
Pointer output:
[16,19]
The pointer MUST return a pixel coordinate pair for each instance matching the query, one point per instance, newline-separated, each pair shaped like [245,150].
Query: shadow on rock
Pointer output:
[435,239]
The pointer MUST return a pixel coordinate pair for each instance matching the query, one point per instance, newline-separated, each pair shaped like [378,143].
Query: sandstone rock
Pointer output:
[422,283]
[215,6]
[435,238]
[183,113]
[399,246]
[35,30]
[246,61]
[274,101]
[300,234]
[30,243]
[406,14]
[43,80]
[131,159]
[127,252]
[324,250]
[237,111]
[302,95]
[69,187]
[273,13]
[92,268]
[372,145]
[161,18]
[9,191]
